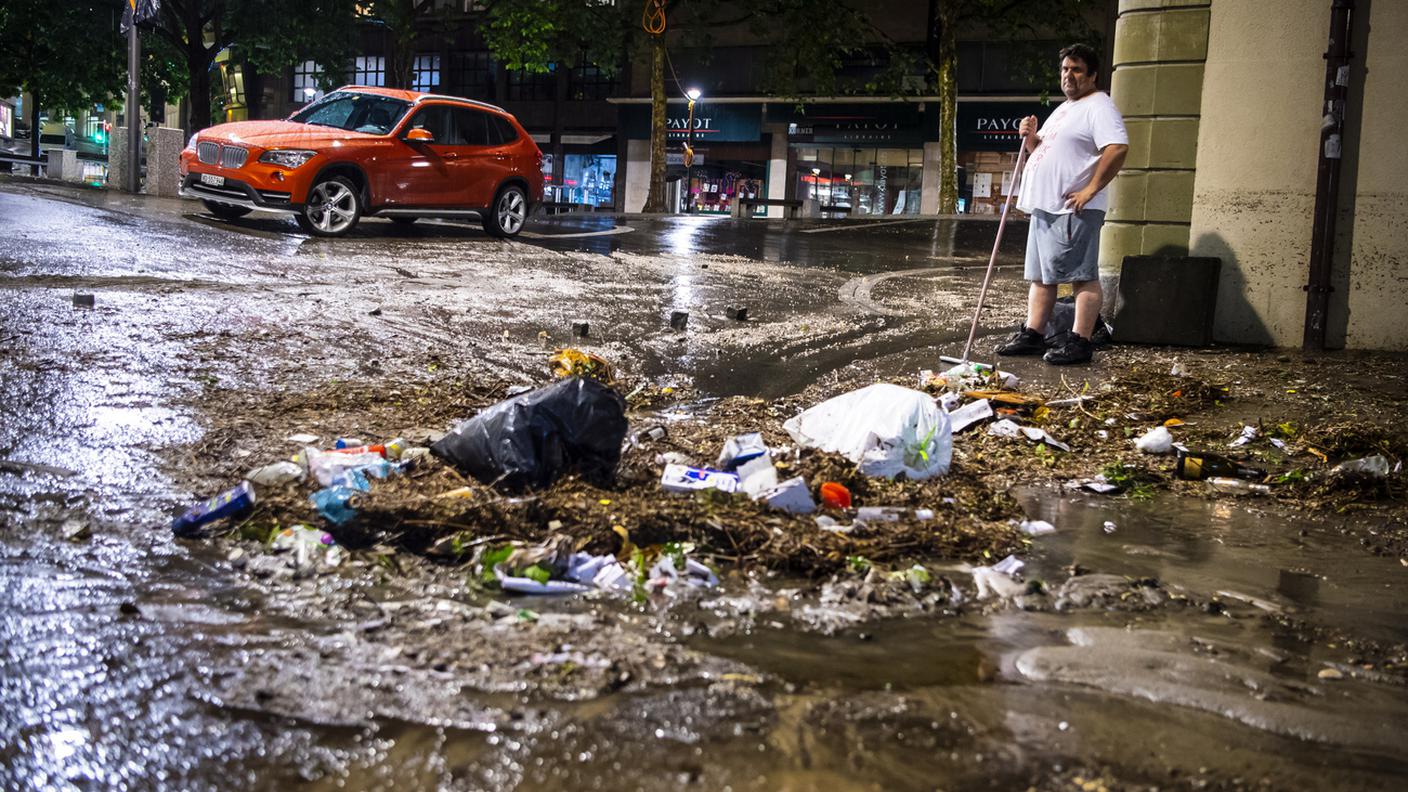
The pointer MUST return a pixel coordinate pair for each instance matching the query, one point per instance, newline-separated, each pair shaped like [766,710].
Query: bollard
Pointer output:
[62,165]
[164,161]
[678,320]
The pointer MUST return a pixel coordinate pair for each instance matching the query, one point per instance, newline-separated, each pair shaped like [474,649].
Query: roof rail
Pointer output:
[461,99]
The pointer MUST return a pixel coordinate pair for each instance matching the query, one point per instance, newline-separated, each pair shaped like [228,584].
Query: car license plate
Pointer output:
[212,180]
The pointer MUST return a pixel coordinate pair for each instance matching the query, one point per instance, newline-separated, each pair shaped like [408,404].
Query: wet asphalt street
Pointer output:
[118,650]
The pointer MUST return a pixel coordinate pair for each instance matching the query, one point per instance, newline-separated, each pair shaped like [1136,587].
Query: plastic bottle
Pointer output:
[378,449]
[395,448]
[275,475]
[1233,486]
[1197,465]
[337,504]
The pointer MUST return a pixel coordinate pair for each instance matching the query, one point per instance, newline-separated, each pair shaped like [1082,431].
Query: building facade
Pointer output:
[840,156]
[852,155]
[1225,103]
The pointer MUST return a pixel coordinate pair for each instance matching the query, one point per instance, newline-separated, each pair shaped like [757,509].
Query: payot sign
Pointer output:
[992,126]
[721,123]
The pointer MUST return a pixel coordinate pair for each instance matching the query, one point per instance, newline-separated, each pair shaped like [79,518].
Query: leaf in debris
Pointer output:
[538,573]
[491,558]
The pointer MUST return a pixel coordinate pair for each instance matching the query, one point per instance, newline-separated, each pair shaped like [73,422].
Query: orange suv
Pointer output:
[370,151]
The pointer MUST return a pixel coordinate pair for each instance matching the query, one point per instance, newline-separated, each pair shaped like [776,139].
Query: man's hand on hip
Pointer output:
[1078,199]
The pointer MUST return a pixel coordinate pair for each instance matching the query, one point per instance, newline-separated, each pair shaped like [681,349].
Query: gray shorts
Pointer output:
[1064,248]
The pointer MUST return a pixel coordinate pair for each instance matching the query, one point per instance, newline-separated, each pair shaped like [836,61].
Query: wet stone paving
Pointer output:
[1159,642]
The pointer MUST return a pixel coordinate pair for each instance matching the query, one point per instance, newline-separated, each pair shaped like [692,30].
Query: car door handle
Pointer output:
[451,155]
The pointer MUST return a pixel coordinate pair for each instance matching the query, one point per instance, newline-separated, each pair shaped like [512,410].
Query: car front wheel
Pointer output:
[332,209]
[508,214]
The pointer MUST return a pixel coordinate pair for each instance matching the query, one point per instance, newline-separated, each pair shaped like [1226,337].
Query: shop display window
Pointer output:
[714,189]
[589,179]
[859,181]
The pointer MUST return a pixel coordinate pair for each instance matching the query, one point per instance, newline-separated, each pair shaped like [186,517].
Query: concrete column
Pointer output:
[164,161]
[777,170]
[1262,109]
[1157,83]
[117,158]
[637,174]
[929,180]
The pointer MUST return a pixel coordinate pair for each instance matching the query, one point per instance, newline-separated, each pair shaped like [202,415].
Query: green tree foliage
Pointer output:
[403,20]
[535,35]
[270,35]
[820,41]
[65,53]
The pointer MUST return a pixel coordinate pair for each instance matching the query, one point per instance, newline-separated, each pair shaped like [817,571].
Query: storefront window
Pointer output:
[589,179]
[714,188]
[859,181]
[305,82]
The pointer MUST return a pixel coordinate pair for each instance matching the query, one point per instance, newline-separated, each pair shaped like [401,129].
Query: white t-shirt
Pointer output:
[1071,140]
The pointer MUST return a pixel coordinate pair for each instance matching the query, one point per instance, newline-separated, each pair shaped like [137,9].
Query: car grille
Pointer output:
[227,156]
[233,156]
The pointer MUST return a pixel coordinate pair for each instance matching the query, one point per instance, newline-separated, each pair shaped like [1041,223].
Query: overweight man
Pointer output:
[1073,157]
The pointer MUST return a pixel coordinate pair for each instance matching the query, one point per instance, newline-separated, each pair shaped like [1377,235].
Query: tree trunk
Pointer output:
[948,105]
[199,70]
[253,91]
[400,54]
[655,201]
[34,127]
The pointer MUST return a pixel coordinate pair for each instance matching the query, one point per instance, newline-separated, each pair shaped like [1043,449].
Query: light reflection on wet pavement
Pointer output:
[114,649]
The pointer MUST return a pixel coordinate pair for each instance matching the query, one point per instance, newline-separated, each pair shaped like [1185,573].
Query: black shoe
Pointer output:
[1025,341]
[1101,338]
[1072,349]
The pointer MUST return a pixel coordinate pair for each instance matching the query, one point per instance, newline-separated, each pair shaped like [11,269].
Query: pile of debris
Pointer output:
[564,489]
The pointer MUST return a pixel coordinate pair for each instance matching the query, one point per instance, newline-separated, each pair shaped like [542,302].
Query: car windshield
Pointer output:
[357,112]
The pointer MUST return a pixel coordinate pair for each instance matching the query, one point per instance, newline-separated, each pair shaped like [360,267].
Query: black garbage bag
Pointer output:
[1063,318]
[530,440]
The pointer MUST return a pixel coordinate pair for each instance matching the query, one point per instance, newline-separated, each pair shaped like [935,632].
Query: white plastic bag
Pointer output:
[886,429]
[1155,441]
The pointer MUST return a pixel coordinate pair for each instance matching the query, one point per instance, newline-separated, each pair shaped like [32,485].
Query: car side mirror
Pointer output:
[420,136]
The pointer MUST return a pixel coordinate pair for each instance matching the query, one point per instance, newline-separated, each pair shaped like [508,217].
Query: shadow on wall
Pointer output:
[1230,301]
[1235,320]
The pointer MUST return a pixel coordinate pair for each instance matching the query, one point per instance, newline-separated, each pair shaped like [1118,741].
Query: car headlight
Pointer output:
[191,144]
[287,158]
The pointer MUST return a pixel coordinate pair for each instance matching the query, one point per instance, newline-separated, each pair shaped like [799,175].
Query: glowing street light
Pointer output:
[693,95]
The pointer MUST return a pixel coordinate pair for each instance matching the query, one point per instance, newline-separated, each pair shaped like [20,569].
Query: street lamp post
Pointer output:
[693,95]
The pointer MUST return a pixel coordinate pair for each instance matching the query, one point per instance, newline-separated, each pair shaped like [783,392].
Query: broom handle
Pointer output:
[992,260]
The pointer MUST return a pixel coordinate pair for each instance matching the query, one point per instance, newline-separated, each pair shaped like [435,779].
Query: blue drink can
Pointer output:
[226,504]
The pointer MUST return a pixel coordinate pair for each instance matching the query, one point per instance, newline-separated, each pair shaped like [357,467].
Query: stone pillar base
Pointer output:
[163,162]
